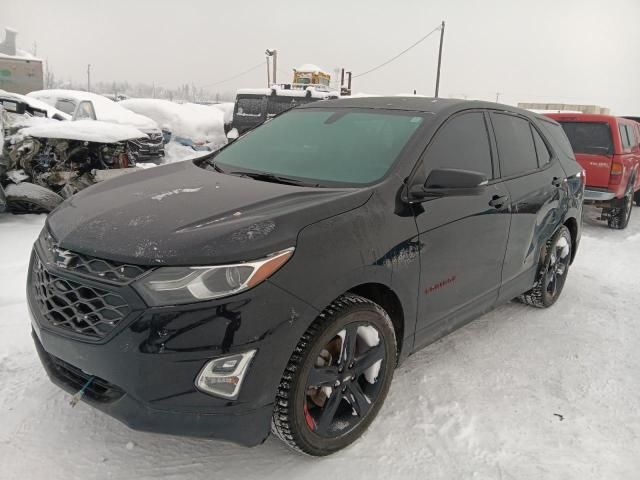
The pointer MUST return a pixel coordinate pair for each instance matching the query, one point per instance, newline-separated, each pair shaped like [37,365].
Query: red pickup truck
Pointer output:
[608,148]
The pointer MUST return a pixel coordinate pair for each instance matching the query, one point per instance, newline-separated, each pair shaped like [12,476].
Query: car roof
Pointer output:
[586,117]
[417,104]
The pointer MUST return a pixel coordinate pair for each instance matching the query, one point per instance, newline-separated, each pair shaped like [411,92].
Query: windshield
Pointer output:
[589,137]
[343,146]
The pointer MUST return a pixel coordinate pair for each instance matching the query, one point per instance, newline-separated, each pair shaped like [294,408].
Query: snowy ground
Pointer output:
[518,394]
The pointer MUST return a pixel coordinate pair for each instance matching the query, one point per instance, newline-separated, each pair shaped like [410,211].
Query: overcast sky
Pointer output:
[577,51]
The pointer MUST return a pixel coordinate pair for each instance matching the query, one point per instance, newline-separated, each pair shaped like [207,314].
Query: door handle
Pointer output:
[557,181]
[498,200]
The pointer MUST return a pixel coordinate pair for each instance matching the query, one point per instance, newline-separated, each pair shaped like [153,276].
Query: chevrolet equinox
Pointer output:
[274,285]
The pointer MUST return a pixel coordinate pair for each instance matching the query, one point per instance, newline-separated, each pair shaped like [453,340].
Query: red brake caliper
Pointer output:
[311,423]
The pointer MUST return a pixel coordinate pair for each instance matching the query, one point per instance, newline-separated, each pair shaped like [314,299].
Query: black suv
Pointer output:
[276,284]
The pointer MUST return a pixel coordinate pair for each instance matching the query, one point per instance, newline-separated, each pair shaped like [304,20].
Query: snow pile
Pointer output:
[199,123]
[227,109]
[84,130]
[106,110]
[310,67]
[176,152]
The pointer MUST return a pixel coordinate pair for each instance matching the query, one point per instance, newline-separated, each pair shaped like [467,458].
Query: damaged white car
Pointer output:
[46,158]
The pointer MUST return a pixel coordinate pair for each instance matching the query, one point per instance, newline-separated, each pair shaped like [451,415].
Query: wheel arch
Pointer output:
[390,302]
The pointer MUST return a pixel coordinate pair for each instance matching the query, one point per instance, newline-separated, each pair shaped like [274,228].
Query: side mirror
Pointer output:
[450,182]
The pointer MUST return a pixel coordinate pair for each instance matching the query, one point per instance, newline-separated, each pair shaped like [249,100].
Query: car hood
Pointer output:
[181,214]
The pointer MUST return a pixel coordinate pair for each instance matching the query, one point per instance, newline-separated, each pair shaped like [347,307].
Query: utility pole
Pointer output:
[275,65]
[88,77]
[268,73]
[497,97]
[272,52]
[439,59]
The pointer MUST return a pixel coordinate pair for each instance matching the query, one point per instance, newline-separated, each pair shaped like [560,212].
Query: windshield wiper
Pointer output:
[214,165]
[270,177]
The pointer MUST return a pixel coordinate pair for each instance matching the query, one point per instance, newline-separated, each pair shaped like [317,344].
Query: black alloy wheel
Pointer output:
[553,271]
[337,378]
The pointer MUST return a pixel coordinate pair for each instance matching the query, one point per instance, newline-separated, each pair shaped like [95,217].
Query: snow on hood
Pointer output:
[35,103]
[84,130]
[106,110]
[200,123]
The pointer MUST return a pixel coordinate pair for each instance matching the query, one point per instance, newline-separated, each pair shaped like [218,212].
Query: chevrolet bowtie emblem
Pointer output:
[62,258]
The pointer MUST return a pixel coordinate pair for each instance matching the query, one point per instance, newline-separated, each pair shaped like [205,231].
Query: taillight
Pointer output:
[582,174]
[616,173]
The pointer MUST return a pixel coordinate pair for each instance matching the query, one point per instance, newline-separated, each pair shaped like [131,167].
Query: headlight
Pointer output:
[177,285]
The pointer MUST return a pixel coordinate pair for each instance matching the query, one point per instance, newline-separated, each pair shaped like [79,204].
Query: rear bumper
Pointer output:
[595,195]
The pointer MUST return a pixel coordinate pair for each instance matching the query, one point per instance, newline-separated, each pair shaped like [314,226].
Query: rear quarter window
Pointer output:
[544,156]
[555,132]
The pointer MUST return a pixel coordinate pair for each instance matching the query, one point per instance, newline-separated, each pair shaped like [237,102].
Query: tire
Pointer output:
[321,418]
[619,217]
[637,198]
[553,271]
[30,198]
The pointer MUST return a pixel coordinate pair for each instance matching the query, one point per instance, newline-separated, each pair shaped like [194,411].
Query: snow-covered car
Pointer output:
[45,158]
[90,106]
[200,127]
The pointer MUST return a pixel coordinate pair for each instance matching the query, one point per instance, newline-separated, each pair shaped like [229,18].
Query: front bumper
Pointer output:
[145,371]
[146,149]
[248,428]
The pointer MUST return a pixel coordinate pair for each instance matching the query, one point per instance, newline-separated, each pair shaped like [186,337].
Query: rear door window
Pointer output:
[516,148]
[591,138]
[462,143]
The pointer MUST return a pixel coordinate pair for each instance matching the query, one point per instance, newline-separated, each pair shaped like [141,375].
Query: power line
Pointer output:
[255,67]
[401,53]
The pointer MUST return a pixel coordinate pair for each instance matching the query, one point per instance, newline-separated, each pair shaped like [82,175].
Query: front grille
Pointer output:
[93,267]
[152,145]
[73,307]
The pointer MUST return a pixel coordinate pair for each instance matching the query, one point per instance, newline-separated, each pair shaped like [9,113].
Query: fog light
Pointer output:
[223,376]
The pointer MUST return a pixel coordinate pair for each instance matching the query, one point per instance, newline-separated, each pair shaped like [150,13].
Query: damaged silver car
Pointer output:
[46,158]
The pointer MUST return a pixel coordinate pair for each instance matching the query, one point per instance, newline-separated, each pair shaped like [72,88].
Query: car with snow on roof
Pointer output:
[90,106]
[45,158]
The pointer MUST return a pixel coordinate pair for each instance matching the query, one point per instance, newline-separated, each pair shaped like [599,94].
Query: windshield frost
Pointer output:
[332,146]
